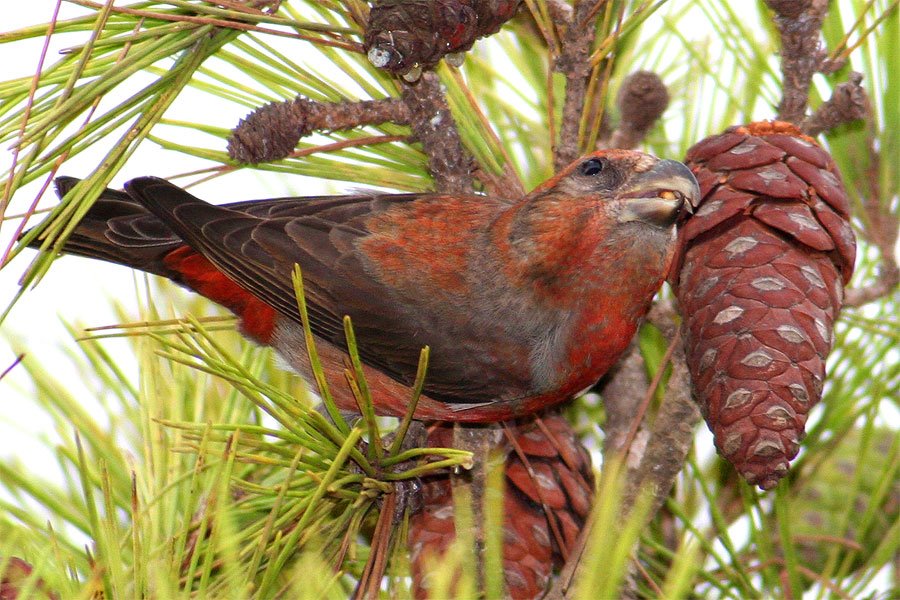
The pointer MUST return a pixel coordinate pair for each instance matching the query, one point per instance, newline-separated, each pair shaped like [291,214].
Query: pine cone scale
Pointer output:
[548,495]
[774,180]
[727,204]
[713,146]
[799,148]
[825,184]
[746,155]
[796,219]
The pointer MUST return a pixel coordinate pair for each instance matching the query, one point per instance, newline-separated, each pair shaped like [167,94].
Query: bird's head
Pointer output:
[616,208]
[628,186]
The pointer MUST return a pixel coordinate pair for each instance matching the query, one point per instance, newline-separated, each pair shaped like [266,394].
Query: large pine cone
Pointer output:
[549,492]
[765,259]
[403,35]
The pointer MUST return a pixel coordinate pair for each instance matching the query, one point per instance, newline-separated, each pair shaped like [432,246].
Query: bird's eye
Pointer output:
[592,166]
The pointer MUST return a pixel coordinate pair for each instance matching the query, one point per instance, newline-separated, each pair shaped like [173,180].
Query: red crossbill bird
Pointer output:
[524,301]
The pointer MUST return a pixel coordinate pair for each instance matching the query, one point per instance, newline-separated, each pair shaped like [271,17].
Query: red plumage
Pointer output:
[524,301]
[257,317]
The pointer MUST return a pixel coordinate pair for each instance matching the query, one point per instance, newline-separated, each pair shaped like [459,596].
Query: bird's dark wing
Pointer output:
[120,229]
[257,244]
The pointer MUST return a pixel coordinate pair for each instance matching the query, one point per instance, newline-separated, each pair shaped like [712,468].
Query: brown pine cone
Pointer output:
[549,492]
[406,36]
[766,256]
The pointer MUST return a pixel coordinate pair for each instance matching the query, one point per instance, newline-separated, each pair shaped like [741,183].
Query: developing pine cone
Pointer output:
[548,494]
[766,256]
[406,36]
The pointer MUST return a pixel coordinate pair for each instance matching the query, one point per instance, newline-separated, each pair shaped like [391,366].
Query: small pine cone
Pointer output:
[406,35]
[641,101]
[765,257]
[271,132]
[549,492]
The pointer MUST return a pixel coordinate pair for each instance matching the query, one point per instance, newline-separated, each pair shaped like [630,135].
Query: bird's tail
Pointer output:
[119,230]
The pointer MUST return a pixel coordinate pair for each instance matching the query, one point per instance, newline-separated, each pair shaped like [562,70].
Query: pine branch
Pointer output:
[433,125]
[800,24]
[574,62]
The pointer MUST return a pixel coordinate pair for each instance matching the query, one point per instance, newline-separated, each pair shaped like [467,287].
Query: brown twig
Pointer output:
[433,126]
[560,11]
[665,453]
[621,397]
[638,417]
[885,284]
[394,508]
[272,132]
[575,64]
[879,225]
[800,23]
[671,438]
[370,581]
[673,429]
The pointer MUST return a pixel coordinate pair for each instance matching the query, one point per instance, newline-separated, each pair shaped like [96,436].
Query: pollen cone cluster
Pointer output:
[548,494]
[406,36]
[759,279]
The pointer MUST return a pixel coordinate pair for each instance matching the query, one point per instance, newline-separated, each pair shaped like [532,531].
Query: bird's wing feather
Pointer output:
[256,245]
